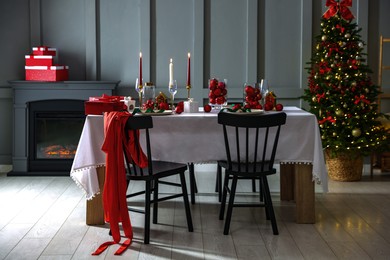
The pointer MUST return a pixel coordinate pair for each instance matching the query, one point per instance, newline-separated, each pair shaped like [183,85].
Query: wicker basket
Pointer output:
[344,167]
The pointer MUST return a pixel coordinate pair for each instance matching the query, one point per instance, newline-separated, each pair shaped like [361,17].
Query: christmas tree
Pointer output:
[341,93]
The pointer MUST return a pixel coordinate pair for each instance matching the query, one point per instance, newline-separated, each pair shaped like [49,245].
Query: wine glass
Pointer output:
[264,90]
[139,89]
[172,88]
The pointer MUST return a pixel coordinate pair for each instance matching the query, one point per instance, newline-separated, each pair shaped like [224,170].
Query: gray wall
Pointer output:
[240,40]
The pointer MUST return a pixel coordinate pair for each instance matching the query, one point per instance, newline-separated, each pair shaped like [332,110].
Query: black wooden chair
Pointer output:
[251,141]
[153,174]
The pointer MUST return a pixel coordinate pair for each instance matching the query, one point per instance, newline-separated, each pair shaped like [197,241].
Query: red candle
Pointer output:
[140,68]
[189,70]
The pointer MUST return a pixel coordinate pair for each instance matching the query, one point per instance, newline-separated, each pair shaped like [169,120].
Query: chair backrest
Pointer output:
[251,140]
[138,128]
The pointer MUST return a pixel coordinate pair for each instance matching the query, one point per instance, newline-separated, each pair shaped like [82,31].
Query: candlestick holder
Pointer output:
[188,87]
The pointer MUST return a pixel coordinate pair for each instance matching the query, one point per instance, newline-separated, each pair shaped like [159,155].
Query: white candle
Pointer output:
[170,72]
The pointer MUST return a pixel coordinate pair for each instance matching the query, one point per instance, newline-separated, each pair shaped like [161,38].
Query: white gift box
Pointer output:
[130,103]
[191,106]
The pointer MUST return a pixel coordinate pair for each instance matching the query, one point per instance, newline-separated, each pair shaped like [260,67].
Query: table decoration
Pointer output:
[237,108]
[152,112]
[207,108]
[161,98]
[252,96]
[105,103]
[148,92]
[218,93]
[269,101]
[191,106]
[130,103]
[179,108]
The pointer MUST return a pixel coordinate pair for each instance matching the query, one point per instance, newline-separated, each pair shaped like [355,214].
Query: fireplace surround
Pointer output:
[30,95]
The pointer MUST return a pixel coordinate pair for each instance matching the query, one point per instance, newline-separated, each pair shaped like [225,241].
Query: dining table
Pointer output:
[197,138]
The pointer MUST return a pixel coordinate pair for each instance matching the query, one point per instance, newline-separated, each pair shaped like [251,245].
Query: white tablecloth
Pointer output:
[197,138]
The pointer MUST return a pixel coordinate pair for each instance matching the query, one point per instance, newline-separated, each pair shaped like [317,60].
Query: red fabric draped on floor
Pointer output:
[114,193]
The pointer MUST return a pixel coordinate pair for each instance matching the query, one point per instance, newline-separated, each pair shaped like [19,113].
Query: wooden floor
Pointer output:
[44,218]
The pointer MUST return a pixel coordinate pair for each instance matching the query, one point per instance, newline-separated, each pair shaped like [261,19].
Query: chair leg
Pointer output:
[193,187]
[218,182]
[261,189]
[186,202]
[230,206]
[155,201]
[147,212]
[224,194]
[268,204]
[253,185]
[262,196]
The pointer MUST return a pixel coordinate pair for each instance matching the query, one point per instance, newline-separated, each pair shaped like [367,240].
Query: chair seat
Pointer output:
[250,173]
[161,169]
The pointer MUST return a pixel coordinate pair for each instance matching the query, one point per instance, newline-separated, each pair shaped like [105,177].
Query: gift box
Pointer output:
[191,106]
[105,103]
[44,50]
[47,73]
[39,60]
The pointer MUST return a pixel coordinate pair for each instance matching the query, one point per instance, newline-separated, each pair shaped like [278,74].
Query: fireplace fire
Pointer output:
[57,152]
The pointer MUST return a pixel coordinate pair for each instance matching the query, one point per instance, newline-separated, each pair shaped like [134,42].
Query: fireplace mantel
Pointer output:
[28,91]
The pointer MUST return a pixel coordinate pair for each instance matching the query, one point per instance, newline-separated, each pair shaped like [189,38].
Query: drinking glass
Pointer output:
[172,88]
[139,89]
[264,88]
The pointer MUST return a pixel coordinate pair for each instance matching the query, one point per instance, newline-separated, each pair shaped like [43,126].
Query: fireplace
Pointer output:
[55,128]
[43,114]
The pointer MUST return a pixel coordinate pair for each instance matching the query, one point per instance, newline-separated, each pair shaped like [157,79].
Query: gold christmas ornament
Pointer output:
[323,38]
[339,112]
[356,132]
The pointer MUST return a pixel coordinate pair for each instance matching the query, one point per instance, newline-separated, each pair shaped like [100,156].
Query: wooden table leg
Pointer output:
[296,184]
[304,194]
[95,213]
[287,181]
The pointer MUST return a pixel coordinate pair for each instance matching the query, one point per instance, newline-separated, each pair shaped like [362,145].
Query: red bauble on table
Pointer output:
[179,108]
[163,106]
[268,106]
[279,107]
